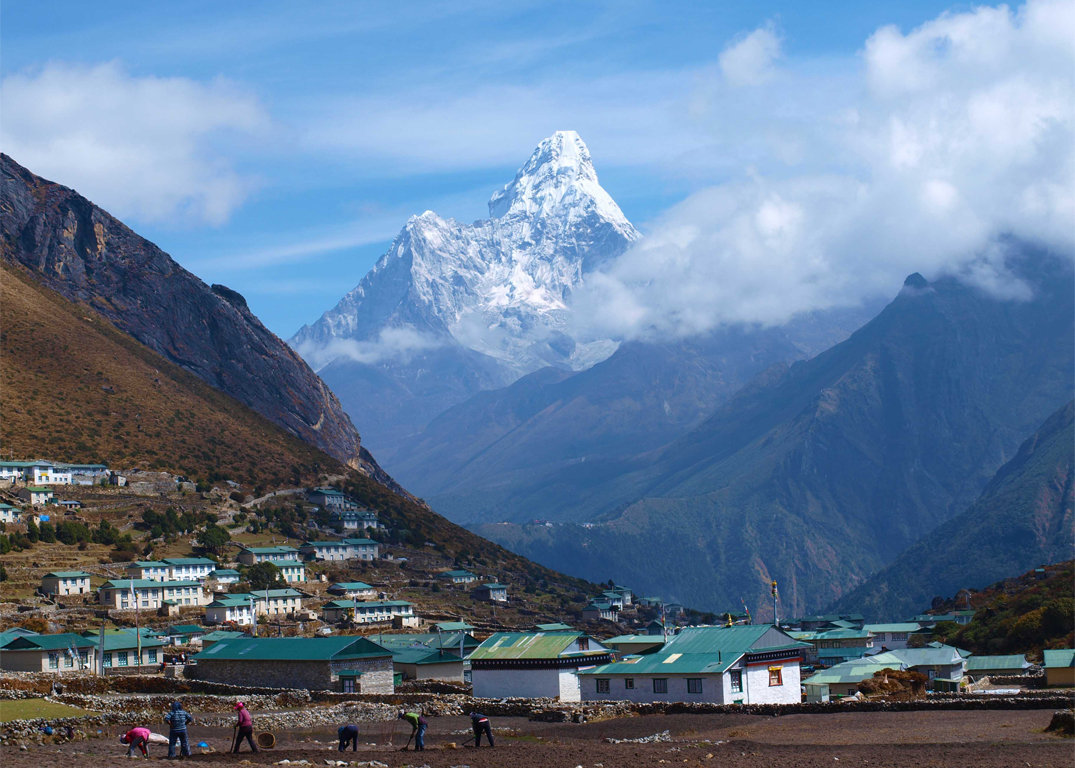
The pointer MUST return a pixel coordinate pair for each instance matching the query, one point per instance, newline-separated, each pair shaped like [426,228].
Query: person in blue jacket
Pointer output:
[480,724]
[348,735]
[177,721]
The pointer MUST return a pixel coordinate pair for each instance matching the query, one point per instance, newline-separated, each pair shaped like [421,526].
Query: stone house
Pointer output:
[348,663]
[993,666]
[8,513]
[534,664]
[458,577]
[892,636]
[600,610]
[752,664]
[62,583]
[492,592]
[36,496]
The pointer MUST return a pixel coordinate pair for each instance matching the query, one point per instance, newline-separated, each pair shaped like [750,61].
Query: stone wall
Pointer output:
[312,675]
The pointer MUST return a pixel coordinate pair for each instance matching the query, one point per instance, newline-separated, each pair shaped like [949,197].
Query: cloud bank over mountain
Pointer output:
[946,139]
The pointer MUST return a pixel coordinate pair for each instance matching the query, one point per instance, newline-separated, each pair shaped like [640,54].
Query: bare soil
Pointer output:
[944,739]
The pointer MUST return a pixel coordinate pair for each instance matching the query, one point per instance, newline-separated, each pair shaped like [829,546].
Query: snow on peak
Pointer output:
[559,176]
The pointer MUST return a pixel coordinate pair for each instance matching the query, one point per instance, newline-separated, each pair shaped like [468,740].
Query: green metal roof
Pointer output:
[628,639]
[351,586]
[525,645]
[905,626]
[494,585]
[185,629]
[224,572]
[323,544]
[366,603]
[148,564]
[428,640]
[1013,662]
[279,550]
[188,561]
[141,583]
[261,594]
[703,650]
[554,627]
[842,634]
[849,672]
[231,601]
[287,563]
[122,641]
[38,489]
[422,656]
[453,626]
[56,642]
[360,542]
[456,574]
[1059,658]
[221,634]
[67,575]
[920,657]
[328,491]
[293,649]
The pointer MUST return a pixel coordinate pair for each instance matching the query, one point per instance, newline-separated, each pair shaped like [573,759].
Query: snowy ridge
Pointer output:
[499,286]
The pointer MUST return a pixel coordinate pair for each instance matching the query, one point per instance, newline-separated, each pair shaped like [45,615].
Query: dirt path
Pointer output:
[983,739]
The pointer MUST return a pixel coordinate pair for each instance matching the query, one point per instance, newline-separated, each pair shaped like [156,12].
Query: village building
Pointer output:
[120,654]
[458,577]
[292,571]
[331,499]
[37,496]
[841,679]
[8,513]
[634,645]
[236,608]
[534,665]
[355,590]
[492,592]
[61,653]
[63,583]
[944,665]
[277,602]
[85,474]
[834,646]
[172,569]
[220,634]
[556,626]
[343,549]
[978,667]
[349,664]
[255,555]
[893,636]
[146,594]
[428,656]
[1059,667]
[615,599]
[224,576]
[600,610]
[366,612]
[751,664]
[185,634]
[453,626]
[358,519]
[35,472]
[956,617]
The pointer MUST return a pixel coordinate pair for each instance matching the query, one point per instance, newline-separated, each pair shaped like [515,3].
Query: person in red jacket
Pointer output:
[136,737]
[246,728]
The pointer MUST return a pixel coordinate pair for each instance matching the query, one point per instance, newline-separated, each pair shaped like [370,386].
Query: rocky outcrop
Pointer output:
[88,256]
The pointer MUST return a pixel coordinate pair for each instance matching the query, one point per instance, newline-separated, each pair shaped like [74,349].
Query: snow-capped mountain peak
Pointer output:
[557,180]
[498,287]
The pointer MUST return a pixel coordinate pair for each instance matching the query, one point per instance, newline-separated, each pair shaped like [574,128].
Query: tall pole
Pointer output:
[776,618]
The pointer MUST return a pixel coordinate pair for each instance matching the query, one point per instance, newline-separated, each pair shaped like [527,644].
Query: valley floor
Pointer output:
[981,739]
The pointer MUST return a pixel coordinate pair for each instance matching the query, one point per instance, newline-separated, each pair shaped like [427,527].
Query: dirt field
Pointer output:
[943,739]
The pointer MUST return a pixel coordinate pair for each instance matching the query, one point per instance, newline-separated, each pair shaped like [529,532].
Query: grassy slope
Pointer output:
[77,389]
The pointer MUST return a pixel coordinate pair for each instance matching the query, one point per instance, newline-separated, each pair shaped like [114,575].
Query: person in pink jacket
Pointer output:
[246,728]
[136,737]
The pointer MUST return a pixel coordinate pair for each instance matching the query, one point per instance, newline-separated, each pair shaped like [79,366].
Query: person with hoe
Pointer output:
[245,728]
[348,735]
[136,737]
[480,723]
[177,721]
[418,730]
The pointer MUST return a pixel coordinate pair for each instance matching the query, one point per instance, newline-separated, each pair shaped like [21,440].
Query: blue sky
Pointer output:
[278,147]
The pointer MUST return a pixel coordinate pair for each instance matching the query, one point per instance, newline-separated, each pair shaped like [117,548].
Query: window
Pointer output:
[151,656]
[694,685]
[108,659]
[54,661]
[660,685]
[121,658]
[348,685]
[736,678]
[83,658]
[776,675]
[602,685]
[629,683]
[68,660]
[584,644]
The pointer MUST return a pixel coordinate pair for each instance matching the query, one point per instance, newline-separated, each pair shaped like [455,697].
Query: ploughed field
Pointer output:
[981,739]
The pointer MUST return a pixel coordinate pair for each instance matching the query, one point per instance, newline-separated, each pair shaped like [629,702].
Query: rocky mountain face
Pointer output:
[80,251]
[452,309]
[1023,519]
[820,474]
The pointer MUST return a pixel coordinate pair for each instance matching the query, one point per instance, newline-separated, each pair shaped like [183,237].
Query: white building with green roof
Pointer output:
[63,583]
[255,555]
[751,664]
[534,664]
[146,594]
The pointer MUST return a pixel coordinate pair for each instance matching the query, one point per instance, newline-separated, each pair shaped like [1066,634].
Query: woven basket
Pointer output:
[266,740]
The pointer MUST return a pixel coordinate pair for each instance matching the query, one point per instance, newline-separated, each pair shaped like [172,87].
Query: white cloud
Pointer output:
[750,61]
[147,148]
[391,344]
[959,132]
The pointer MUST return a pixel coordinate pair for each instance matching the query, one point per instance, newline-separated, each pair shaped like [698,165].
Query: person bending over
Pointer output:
[136,737]
[418,728]
[480,723]
[348,735]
